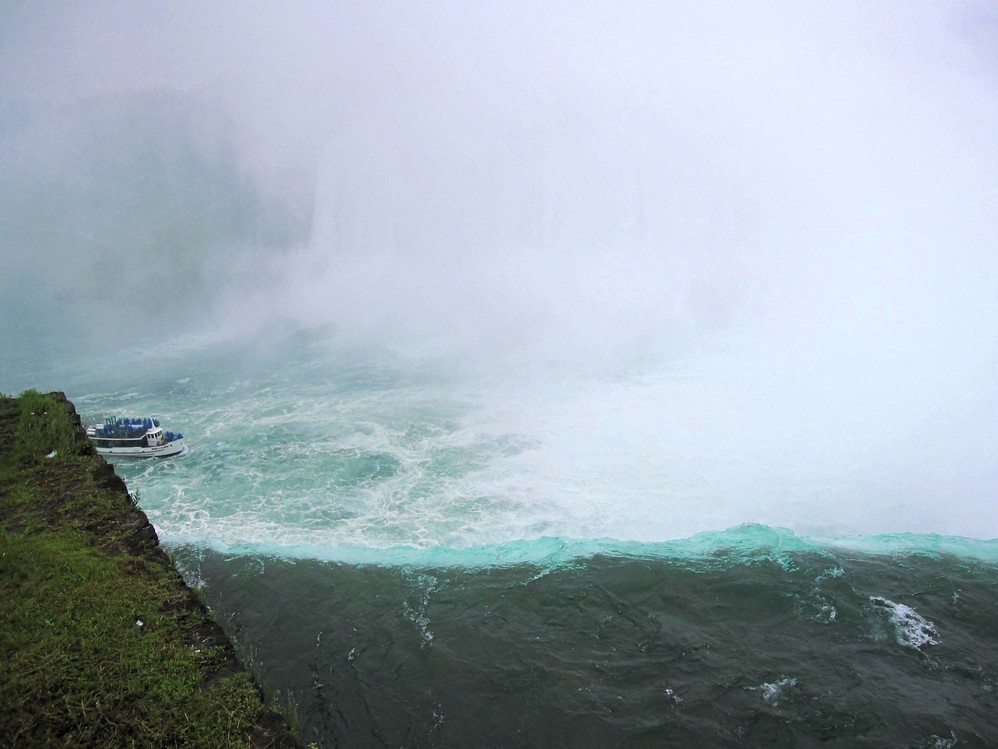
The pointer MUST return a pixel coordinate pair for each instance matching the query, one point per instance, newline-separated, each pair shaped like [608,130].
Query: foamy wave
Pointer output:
[773,692]
[912,630]
[321,452]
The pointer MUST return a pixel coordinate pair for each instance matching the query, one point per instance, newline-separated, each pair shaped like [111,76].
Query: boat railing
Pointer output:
[126,427]
[131,429]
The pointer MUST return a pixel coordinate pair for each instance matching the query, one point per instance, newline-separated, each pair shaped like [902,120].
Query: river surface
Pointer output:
[407,557]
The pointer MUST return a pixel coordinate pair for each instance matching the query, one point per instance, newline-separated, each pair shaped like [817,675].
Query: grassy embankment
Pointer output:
[101,643]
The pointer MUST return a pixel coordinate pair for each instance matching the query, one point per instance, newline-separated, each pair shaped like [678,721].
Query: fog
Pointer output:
[792,203]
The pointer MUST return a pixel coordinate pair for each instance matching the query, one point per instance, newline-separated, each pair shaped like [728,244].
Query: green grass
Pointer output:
[44,425]
[96,645]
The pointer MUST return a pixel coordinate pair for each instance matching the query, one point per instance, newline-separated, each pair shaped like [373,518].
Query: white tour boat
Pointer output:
[135,438]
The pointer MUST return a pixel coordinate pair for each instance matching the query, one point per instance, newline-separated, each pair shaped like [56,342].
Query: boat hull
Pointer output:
[168,450]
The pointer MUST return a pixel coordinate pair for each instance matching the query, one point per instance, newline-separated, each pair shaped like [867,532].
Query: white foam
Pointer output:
[911,629]
[379,455]
[773,692]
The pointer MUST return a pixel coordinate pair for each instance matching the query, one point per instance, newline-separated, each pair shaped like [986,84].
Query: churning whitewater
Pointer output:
[321,451]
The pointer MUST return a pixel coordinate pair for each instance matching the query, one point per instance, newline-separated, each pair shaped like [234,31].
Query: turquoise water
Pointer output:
[317,450]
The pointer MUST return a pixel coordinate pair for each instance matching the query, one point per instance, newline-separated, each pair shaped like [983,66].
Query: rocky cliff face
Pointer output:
[140,539]
[83,492]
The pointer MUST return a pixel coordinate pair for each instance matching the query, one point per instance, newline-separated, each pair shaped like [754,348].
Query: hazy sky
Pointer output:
[517,164]
[554,65]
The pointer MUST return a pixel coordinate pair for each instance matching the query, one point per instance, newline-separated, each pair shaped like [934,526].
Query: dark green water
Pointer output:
[726,649]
